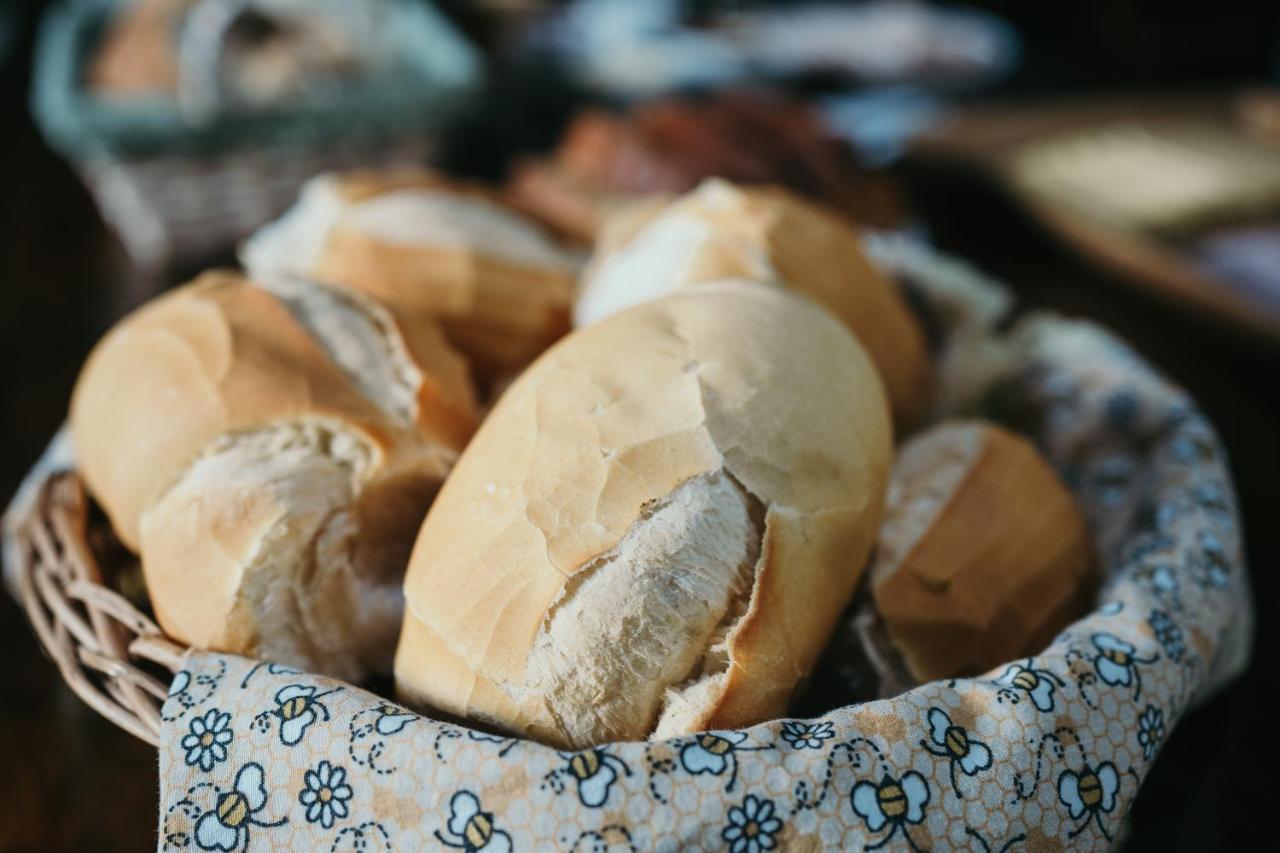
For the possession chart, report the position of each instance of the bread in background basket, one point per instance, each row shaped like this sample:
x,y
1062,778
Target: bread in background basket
x,y
184,170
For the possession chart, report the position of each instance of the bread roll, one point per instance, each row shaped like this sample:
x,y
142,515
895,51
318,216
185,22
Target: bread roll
x,y
768,235
656,527
419,243
983,555
226,435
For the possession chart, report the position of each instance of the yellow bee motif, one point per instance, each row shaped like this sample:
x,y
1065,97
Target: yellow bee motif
x,y
714,752
297,707
892,803
954,743
593,771
1090,794
471,829
227,826
1036,684
1116,662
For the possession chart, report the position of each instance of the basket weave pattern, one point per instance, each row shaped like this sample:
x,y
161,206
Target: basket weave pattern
x,y
109,653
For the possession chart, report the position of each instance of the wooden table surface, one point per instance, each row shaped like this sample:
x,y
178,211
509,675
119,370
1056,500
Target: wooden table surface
x,y
70,780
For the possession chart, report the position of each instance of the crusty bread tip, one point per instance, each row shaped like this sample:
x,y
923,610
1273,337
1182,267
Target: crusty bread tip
x,y
983,555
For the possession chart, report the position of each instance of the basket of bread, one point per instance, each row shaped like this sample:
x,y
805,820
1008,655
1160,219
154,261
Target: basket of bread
x,y
193,122
750,531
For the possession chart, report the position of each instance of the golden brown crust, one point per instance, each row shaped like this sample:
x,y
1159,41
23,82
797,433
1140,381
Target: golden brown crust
x,y
274,505
997,562
214,356
616,417
500,314
804,246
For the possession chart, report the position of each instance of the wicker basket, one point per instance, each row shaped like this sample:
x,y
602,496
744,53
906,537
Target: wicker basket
x,y
110,653
1153,482
178,184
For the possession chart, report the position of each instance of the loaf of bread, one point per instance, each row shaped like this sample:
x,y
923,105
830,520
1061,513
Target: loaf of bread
x,y
498,283
768,235
657,526
983,555
271,458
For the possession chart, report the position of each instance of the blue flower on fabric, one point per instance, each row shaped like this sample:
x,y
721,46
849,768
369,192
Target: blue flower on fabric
x,y
1168,635
227,826
1089,794
807,735
892,803
470,828
954,743
207,739
1150,731
326,794
1117,662
752,826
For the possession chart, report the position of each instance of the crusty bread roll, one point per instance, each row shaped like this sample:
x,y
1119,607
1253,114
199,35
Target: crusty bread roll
x,y
500,285
768,235
983,555
657,526
271,460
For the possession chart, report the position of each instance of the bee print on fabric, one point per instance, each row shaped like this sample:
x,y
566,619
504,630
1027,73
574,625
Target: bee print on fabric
x,y
470,828
368,732
1089,794
593,772
1117,662
227,827
187,690
892,803
298,706
952,742
716,752
1038,685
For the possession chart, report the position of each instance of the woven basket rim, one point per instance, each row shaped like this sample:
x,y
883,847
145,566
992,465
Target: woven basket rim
x,y
105,648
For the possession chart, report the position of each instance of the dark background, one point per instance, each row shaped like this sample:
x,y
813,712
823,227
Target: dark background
x,y
70,780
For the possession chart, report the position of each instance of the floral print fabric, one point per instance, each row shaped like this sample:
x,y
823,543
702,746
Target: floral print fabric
x,y
1043,753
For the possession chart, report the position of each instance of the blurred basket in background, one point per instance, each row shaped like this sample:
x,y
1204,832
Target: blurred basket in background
x,y
181,175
